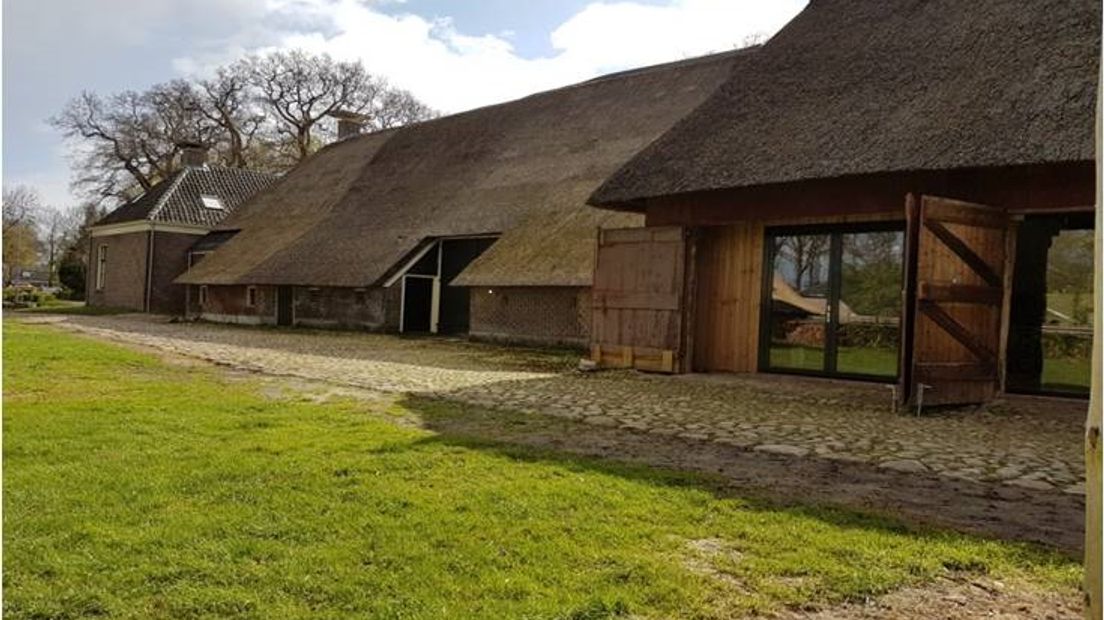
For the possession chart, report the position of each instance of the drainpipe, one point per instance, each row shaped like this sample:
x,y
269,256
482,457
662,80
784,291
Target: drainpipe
x,y
149,266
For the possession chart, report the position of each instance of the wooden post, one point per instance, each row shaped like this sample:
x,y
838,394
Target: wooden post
x,y
1093,603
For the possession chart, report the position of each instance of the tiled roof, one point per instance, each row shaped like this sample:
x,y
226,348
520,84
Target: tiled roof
x,y
178,199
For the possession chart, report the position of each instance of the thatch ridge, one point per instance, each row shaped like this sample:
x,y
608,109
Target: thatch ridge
x,y
505,169
852,87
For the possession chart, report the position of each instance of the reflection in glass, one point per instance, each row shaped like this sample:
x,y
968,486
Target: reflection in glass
x,y
1067,325
799,302
869,303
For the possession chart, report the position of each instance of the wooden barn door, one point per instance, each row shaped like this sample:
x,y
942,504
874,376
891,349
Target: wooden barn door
x,y
956,278
638,299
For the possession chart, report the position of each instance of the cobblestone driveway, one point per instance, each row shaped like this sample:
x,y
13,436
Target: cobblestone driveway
x,y
1030,443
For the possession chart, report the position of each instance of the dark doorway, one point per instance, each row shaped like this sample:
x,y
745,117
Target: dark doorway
x,y
832,301
1050,321
454,316
417,303
283,305
447,311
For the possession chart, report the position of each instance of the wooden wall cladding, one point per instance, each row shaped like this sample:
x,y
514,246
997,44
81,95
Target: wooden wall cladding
x,y
729,283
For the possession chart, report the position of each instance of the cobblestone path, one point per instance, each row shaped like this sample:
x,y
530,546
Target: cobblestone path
x,y
1030,443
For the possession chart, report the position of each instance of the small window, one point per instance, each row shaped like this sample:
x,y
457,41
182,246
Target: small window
x,y
203,295
250,296
314,293
211,202
101,267
361,296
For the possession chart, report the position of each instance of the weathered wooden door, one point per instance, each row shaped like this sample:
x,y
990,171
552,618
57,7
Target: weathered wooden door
x,y
638,296
956,279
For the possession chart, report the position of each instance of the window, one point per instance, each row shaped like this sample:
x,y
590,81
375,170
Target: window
x,y
361,296
203,295
250,296
101,266
211,202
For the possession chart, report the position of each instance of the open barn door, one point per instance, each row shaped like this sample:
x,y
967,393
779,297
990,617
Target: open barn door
x,y
640,277
956,263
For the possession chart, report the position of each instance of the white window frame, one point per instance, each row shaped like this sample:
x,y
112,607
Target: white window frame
x,y
202,294
101,266
250,297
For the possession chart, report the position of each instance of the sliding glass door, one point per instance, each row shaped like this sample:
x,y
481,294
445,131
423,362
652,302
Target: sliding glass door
x,y
832,301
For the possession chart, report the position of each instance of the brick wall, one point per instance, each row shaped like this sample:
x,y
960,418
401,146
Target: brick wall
x,y
125,272
375,309
170,259
227,304
557,316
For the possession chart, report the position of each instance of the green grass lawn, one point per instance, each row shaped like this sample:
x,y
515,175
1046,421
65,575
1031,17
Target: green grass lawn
x,y
138,488
1067,374
854,360
73,307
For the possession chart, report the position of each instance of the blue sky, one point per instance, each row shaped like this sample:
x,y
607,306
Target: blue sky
x,y
454,54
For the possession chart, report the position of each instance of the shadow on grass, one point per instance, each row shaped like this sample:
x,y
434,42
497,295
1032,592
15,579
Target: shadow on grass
x,y
839,493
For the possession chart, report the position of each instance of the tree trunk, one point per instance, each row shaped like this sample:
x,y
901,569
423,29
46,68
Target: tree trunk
x,y
1093,603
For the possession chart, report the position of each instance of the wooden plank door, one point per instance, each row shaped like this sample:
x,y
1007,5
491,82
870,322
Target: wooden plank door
x,y
639,296
957,293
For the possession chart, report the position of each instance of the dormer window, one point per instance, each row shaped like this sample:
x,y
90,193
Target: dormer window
x,y
211,202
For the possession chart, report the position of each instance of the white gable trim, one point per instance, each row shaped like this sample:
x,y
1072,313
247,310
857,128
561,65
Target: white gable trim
x,y
124,228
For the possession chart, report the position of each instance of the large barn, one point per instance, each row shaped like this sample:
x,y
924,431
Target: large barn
x,y
898,190
472,223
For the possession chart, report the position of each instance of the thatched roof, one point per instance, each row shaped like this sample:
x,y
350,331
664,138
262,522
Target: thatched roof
x,y
854,87
178,198
522,169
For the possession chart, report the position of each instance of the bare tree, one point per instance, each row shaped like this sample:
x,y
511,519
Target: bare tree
x,y
396,107
56,229
262,112
226,101
299,90
21,205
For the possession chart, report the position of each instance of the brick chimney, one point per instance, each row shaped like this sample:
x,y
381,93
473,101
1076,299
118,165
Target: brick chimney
x,y
349,124
192,154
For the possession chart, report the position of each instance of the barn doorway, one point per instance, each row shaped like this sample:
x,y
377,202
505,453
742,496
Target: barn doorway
x,y
283,306
429,303
1050,321
832,301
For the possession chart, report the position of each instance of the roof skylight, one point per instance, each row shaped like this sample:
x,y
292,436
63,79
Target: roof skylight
x,y
211,202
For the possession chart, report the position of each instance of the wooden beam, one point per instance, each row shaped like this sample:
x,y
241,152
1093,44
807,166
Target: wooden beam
x,y
953,212
965,252
954,371
965,337
961,293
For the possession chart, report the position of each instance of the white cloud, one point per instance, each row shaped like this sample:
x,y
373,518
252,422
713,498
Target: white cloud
x,y
454,71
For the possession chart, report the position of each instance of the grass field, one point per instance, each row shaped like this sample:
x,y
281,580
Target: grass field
x,y
138,488
855,360
74,307
1067,374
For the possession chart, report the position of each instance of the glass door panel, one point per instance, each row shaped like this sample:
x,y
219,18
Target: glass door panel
x,y
869,303
1067,329
798,309
835,301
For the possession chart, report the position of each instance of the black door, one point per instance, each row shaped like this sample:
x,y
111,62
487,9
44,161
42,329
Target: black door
x,y
417,304
283,305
